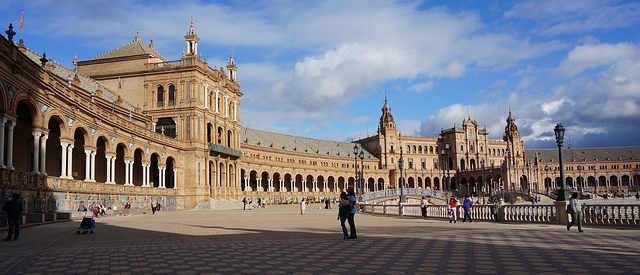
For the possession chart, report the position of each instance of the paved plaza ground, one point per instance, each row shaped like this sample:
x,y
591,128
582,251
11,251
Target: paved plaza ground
x,y
278,240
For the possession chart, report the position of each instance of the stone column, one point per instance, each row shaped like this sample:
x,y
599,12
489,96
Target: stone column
x,y
126,173
87,166
113,169
161,177
108,158
70,161
43,154
93,166
175,178
36,151
63,172
145,174
3,120
304,186
269,183
10,147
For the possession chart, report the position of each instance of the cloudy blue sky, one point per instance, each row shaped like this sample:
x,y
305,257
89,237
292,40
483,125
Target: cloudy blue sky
x,y
321,68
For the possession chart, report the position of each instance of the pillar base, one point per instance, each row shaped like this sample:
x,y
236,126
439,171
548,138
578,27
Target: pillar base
x,y
561,211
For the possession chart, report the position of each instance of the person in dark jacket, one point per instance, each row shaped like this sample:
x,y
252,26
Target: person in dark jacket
x,y
13,208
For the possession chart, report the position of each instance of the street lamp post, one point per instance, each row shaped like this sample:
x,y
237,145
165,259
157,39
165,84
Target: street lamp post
x,y
559,131
401,183
445,154
361,156
355,165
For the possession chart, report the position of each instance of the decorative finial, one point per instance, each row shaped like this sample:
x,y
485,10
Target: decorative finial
x,y
231,60
10,33
151,44
44,59
137,39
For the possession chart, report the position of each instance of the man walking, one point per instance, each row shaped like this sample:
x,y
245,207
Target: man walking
x,y
423,206
352,203
467,204
576,212
13,208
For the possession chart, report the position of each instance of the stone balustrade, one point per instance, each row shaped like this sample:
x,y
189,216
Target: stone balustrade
x,y
605,214
529,213
621,214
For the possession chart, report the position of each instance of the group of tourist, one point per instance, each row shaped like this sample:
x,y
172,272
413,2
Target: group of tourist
x,y
346,212
245,202
467,206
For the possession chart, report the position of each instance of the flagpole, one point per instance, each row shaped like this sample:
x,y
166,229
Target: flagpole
x,y
21,24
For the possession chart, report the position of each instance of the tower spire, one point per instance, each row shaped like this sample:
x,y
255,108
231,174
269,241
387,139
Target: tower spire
x,y
192,40
232,67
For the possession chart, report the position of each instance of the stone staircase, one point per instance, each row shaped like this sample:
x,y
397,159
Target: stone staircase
x,y
219,204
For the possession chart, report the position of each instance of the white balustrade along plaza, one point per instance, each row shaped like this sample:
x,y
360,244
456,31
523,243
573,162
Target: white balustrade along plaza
x,y
594,213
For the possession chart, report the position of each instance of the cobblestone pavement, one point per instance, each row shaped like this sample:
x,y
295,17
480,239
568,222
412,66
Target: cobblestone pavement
x,y
278,240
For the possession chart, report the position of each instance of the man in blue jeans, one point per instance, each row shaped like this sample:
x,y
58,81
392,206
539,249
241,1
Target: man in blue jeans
x,y
467,204
352,203
13,208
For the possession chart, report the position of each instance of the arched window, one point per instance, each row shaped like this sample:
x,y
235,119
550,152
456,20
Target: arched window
x,y
160,96
172,95
229,138
220,135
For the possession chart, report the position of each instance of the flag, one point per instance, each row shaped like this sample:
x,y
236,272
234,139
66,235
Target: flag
x,y
21,21
75,59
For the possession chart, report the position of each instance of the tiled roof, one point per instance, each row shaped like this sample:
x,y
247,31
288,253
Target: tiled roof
x,y
132,49
86,83
298,144
588,154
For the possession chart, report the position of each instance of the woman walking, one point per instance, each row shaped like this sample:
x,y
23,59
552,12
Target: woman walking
x,y
343,213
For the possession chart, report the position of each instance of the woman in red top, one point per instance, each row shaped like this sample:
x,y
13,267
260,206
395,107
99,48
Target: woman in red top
x,y
453,210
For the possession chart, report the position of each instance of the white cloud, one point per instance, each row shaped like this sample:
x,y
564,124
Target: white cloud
x,y
421,87
586,57
560,17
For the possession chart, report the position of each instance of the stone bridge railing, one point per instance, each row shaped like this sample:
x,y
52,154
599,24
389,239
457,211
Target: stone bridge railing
x,y
418,192
594,214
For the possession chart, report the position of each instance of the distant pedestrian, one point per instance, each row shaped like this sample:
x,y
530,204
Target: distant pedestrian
x,y
343,213
13,208
494,210
575,211
423,206
453,210
153,209
244,203
638,196
467,204
303,206
327,204
259,202
351,218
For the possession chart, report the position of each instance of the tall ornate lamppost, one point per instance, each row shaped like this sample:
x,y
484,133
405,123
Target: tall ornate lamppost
x,y
559,131
355,165
445,154
361,156
401,166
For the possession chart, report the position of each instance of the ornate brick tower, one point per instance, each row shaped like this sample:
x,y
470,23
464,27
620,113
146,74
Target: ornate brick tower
x,y
515,145
389,139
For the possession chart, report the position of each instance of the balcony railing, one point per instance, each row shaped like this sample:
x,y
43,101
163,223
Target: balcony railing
x,y
219,149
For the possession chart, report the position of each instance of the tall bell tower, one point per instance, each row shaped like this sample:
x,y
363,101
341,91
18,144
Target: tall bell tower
x,y
514,144
191,39
389,139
